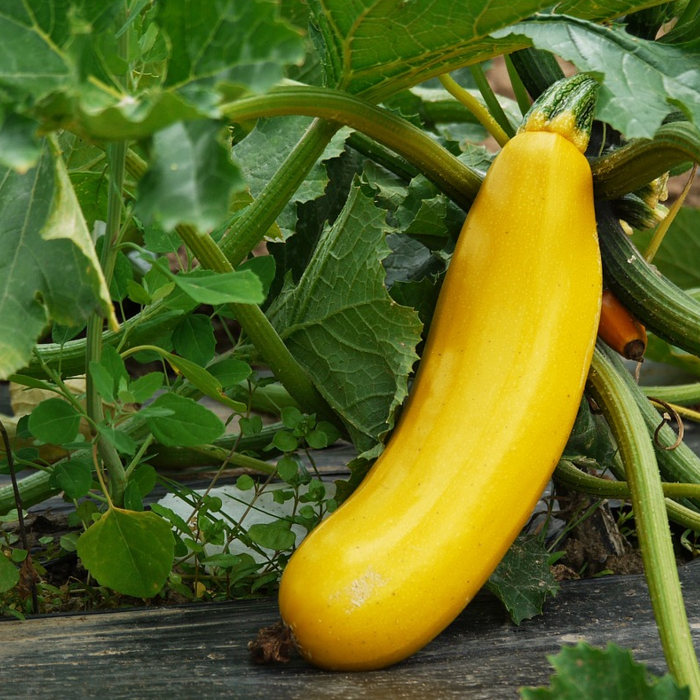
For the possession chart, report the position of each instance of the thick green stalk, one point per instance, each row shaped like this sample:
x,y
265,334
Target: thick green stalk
x,y
251,226
620,409
642,160
459,182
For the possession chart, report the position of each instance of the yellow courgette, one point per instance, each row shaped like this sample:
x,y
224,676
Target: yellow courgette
x,y
486,421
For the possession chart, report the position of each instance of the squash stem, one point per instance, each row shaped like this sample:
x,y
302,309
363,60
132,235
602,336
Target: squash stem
x,y
475,107
248,229
491,100
637,452
459,182
679,394
518,86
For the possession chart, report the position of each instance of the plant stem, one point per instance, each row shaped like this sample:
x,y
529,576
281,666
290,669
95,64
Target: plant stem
x,y
491,100
261,332
680,394
637,452
662,228
475,107
459,182
519,89
20,509
642,160
691,9
93,350
580,481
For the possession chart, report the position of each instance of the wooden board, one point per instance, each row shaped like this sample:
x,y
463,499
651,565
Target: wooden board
x,y
200,651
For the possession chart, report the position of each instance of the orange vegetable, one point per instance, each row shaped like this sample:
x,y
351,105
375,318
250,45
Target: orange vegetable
x,y
620,330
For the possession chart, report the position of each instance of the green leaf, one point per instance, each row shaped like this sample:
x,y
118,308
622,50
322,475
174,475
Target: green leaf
x,y
276,535
207,287
73,477
189,425
54,421
144,387
427,38
190,179
586,673
9,574
230,372
31,66
103,381
657,77
194,339
131,553
342,326
523,579
145,477
243,43
122,441
20,146
202,379
48,268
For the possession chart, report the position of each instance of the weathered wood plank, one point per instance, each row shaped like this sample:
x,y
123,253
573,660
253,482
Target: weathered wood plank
x,y
200,651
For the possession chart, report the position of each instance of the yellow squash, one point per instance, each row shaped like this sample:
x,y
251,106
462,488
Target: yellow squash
x,y
486,421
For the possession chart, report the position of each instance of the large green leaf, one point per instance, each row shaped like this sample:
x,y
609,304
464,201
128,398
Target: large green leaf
x,y
48,268
586,673
31,66
380,46
342,326
242,42
643,80
129,552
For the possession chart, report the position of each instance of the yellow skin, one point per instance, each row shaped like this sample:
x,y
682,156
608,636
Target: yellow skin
x,y
487,419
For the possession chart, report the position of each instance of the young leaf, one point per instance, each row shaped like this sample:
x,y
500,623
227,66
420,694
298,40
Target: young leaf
x,y
188,425
122,441
207,287
144,387
73,477
194,339
523,579
586,673
230,372
9,574
54,421
345,330
131,553
275,535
